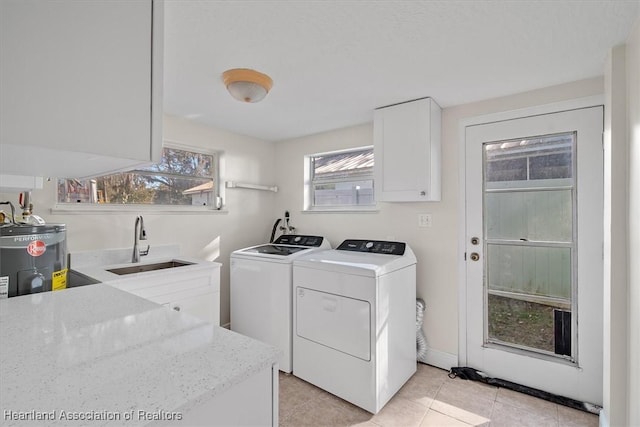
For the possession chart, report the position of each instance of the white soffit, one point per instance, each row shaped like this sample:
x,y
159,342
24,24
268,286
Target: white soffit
x,y
333,62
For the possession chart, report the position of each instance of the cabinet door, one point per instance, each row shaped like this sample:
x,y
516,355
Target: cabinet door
x,y
229,408
205,306
76,77
407,152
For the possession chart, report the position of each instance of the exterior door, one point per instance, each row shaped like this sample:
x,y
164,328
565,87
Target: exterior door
x,y
534,236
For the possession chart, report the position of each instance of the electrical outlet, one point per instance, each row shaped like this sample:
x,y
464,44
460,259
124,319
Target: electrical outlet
x,y
424,220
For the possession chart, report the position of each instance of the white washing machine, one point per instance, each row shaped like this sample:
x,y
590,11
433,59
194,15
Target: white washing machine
x,y
355,320
261,290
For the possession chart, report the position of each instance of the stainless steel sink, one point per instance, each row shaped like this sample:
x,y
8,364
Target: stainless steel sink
x,y
141,268
75,279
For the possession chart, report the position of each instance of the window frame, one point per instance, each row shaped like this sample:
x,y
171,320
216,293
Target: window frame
x,y
309,183
214,200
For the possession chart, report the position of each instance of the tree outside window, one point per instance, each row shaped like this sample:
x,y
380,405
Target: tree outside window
x,y
181,177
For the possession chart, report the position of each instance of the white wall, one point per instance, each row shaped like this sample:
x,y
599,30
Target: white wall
x,y
211,236
436,248
633,86
621,389
615,292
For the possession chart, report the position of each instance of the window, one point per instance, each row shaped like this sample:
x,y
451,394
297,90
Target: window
x,y
183,177
340,179
547,157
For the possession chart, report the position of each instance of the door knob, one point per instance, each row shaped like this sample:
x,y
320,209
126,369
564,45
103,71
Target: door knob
x,y
475,256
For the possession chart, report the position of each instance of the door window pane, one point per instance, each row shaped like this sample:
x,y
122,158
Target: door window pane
x,y
530,215
530,270
551,166
507,170
523,323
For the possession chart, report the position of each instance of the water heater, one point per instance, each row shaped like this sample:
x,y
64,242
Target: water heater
x,y
33,258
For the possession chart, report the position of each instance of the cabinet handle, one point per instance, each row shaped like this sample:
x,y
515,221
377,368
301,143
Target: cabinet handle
x,y
423,193
176,308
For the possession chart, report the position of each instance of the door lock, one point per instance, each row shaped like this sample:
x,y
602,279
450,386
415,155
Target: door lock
x,y
475,240
475,256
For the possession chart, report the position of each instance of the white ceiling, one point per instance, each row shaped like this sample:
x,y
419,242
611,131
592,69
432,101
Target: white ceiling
x,y
334,61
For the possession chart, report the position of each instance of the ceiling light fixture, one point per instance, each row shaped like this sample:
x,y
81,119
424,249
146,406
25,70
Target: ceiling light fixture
x,y
247,85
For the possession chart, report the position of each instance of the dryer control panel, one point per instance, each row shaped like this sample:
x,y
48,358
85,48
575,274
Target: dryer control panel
x,y
299,240
373,246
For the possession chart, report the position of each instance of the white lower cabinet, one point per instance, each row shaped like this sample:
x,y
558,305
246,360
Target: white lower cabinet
x,y
200,306
192,291
259,392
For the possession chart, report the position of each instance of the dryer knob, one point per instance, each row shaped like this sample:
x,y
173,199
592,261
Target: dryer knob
x,y
369,245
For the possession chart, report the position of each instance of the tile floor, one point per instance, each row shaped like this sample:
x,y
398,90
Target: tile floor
x,y
429,398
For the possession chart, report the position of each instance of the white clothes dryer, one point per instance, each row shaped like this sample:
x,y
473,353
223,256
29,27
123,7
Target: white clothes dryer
x,y
261,303
354,320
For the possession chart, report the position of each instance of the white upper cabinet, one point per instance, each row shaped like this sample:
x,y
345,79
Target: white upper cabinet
x,y
81,86
407,152
19,183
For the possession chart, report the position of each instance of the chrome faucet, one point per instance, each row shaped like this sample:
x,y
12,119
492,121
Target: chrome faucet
x,y
139,234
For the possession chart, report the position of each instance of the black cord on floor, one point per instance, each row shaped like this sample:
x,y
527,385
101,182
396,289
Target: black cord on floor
x,y
467,373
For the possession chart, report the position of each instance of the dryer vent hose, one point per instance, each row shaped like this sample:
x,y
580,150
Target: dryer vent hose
x,y
421,340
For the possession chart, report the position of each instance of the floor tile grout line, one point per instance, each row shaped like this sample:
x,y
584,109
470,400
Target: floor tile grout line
x,y
425,414
532,412
449,415
436,394
452,416
491,401
493,405
556,406
426,409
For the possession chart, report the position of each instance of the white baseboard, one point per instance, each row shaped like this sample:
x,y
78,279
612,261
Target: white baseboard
x,y
441,359
604,420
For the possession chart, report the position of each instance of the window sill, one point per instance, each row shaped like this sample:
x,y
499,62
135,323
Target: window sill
x,y
342,210
89,209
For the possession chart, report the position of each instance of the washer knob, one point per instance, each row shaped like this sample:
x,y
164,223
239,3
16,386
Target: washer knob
x,y
369,245
297,239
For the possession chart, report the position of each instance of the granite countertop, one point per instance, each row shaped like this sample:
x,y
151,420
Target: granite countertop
x,y
101,352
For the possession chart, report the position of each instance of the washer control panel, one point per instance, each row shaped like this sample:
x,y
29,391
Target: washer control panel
x,y
299,240
373,246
